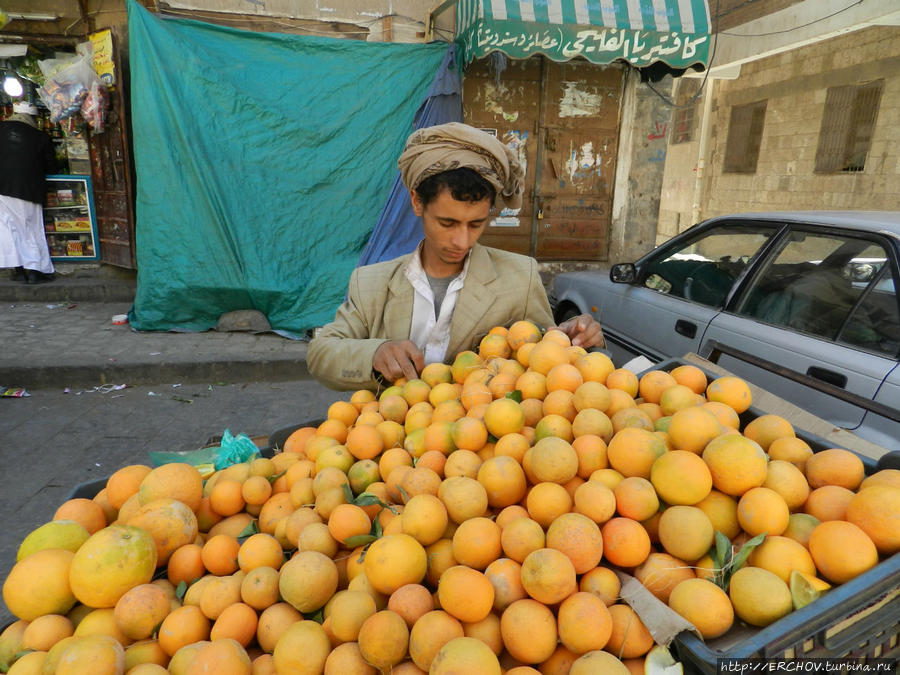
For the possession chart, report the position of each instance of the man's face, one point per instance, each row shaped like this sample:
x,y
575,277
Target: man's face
x,y
451,230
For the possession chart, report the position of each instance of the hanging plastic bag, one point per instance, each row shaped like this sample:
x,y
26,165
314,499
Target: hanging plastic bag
x,y
68,83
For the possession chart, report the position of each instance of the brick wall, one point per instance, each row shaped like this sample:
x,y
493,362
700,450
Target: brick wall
x,y
794,84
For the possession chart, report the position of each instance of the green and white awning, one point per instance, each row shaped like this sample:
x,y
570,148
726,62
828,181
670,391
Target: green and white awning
x,y
641,32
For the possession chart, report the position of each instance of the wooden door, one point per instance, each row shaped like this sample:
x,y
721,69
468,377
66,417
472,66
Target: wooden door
x,y
112,174
564,118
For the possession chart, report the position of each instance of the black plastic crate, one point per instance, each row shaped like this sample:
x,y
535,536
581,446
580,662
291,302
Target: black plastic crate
x,y
858,619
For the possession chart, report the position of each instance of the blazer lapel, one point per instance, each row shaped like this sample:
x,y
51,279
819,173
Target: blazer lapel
x,y
398,308
474,301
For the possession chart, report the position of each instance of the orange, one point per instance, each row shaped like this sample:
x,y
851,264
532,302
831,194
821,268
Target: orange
x,y
218,593
383,639
430,632
505,576
835,467
625,542
344,411
560,402
546,354
759,596
632,452
308,580
726,415
347,611
494,345
125,482
675,398
260,550
411,601
594,500
392,407
182,627
661,573
504,416
721,509
602,582
763,511
302,648
256,490
876,511
45,631
111,562
889,477
178,481
788,481
394,561
690,376
547,501
828,502
464,363
529,631
346,521
521,537
273,622
782,555
169,522
841,550
226,497
220,554
553,460
435,373
594,366
631,416
629,637
591,451
681,477
469,434
364,442
800,526
623,380
591,422
579,538
548,575
476,542
296,441
692,428
736,464
140,610
522,332
732,391
599,661
237,622
259,588
768,428
653,383
503,479
555,426
86,512
636,498
465,655
563,376
465,594
584,623
463,498
685,532
704,605
425,518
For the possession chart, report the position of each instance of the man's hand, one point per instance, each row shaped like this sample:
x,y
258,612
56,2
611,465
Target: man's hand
x,y
583,330
398,358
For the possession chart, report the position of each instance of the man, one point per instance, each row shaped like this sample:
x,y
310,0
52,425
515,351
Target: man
x,y
441,299
26,157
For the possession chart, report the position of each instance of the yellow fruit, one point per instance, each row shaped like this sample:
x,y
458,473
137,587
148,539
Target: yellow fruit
x,y
841,550
465,655
39,584
736,464
703,604
308,580
302,649
759,596
64,534
113,561
805,588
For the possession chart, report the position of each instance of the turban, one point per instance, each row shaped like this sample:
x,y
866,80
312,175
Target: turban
x,y
433,150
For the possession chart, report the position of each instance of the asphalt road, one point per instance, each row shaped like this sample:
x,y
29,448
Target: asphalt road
x,y
54,441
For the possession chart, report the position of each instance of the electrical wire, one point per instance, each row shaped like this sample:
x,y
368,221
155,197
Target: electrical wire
x,y
788,30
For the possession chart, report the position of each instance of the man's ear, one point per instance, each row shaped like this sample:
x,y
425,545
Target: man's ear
x,y
417,206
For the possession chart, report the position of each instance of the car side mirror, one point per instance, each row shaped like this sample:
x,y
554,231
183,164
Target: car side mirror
x,y
623,273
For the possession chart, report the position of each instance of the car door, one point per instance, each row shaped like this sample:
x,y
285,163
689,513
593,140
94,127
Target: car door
x,y
823,304
680,288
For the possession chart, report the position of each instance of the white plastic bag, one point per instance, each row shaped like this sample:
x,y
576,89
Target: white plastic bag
x,y
68,84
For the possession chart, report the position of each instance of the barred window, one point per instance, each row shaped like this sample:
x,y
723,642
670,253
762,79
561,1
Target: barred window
x,y
683,125
744,137
847,125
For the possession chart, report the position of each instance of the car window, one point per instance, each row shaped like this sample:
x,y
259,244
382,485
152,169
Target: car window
x,y
704,269
874,324
814,283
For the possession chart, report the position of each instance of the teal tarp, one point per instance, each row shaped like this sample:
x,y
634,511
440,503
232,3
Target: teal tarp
x,y
262,162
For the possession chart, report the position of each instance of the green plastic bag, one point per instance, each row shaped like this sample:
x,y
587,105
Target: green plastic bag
x,y
232,450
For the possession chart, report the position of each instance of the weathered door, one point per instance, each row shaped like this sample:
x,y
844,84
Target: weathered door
x,y
564,119
111,165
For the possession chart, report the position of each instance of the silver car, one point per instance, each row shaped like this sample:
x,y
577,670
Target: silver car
x,y
803,304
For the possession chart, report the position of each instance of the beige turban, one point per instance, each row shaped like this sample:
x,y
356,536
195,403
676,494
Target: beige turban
x,y
445,147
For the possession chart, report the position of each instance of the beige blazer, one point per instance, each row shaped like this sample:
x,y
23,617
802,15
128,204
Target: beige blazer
x,y
500,288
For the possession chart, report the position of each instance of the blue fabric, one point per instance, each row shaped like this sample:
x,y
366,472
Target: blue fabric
x,y
398,230
262,161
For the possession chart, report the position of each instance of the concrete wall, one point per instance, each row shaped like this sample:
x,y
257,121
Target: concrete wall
x,y
795,84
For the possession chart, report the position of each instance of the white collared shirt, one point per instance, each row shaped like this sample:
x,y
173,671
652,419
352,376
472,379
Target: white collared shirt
x,y
431,335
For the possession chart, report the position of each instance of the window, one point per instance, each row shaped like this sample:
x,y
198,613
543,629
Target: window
x,y
683,125
744,137
829,286
705,269
847,126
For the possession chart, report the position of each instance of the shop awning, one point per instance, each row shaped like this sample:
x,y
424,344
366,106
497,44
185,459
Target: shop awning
x,y
642,32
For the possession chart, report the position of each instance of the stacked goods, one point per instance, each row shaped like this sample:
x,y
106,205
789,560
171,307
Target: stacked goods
x,y
469,521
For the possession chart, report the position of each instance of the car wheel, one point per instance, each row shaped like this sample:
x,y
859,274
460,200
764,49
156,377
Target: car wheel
x,y
568,312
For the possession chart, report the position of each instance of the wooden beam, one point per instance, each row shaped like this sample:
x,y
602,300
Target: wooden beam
x,y
429,21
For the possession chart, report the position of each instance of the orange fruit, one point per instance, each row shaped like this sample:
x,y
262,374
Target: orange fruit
x,y
782,555
182,627
578,537
220,554
504,480
736,464
546,354
788,481
346,521
692,428
547,501
599,661
504,416
296,441
726,415
112,561
411,601
625,542
83,511
685,532
260,550
623,380
465,594
435,373
383,639
425,518
463,364
889,477
125,482
661,572
876,511
629,637
171,524
595,500
529,631
273,622
344,411
703,604
476,542
763,511
548,575
835,467
394,561
236,622
632,452
302,648
430,632
308,580
602,582
675,398
768,428
800,526
690,376
177,481
140,610
653,383
721,509
841,550
259,588
828,502
465,655
759,596
636,498
521,537
584,623
790,449
732,391
681,477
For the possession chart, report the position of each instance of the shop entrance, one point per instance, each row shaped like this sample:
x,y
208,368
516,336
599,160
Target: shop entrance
x,y
563,119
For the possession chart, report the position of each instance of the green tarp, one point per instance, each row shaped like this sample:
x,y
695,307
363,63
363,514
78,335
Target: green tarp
x,y
262,162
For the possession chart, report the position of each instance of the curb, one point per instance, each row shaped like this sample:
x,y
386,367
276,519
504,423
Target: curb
x,y
66,291
157,373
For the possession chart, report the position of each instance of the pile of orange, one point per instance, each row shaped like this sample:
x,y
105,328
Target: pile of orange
x,y
470,521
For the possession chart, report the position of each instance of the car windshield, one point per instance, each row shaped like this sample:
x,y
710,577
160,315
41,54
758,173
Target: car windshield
x,y
704,268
